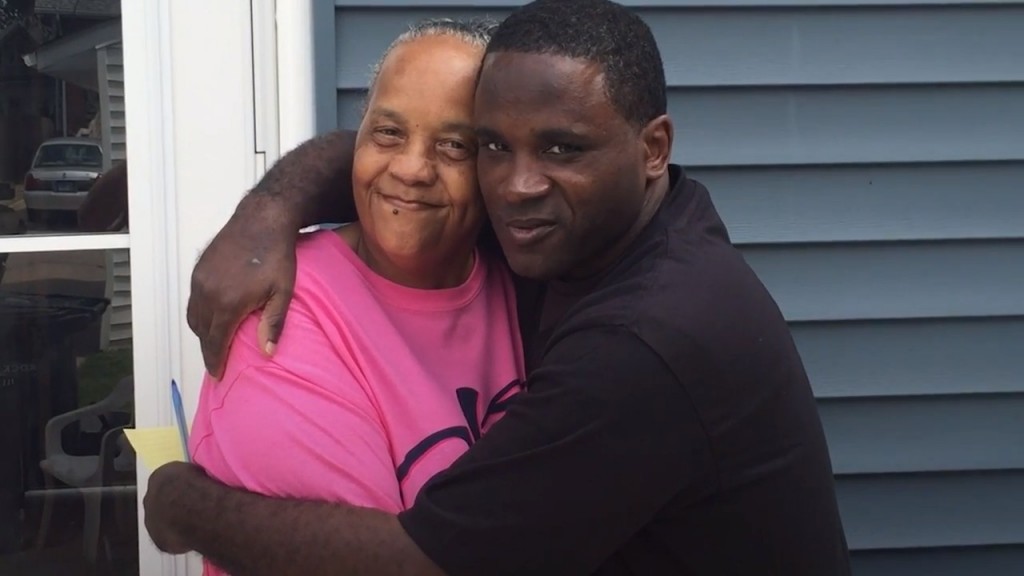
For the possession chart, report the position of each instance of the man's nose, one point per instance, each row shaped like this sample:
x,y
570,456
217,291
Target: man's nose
x,y
527,182
413,168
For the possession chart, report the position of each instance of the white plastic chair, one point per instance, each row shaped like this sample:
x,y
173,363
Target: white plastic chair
x,y
90,472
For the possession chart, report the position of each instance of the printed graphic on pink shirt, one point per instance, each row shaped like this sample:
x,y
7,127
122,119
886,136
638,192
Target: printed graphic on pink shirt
x,y
432,454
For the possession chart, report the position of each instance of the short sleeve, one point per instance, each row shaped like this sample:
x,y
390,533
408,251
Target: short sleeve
x,y
298,425
604,437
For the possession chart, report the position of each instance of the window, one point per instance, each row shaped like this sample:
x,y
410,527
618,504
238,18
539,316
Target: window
x,y
67,475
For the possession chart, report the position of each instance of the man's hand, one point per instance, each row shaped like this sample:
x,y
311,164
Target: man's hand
x,y
249,265
163,501
251,262
246,533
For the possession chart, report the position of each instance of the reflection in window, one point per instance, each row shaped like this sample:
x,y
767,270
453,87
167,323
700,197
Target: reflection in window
x,y
67,474
62,122
69,154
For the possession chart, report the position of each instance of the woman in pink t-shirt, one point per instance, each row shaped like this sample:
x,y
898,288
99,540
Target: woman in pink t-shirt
x,y
401,344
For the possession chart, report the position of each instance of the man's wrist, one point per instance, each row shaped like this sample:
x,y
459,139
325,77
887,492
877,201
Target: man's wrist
x,y
201,499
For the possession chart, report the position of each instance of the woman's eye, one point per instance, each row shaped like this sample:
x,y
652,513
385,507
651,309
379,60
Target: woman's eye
x,y
455,149
387,133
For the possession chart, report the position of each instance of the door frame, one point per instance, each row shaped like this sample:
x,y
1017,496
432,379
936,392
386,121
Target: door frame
x,y
202,94
203,122
149,123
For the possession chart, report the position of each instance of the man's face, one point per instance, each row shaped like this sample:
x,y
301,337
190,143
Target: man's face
x,y
562,173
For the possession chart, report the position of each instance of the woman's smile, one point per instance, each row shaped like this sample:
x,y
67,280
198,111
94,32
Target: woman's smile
x,y
408,202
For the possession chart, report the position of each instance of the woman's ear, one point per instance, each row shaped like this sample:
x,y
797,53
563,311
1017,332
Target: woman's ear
x,y
657,138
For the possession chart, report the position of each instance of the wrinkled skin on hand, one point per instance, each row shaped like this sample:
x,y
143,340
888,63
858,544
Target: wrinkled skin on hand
x,y
249,265
167,485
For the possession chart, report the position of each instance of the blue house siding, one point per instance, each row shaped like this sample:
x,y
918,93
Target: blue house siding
x,y
868,157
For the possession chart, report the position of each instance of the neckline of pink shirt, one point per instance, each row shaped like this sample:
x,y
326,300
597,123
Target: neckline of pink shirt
x,y
412,298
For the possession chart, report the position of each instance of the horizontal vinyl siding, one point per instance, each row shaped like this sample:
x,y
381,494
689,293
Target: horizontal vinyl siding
x,y
893,279
868,158
925,433
942,201
934,561
916,357
933,510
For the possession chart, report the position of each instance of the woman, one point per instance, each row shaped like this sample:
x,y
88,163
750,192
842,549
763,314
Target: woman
x,y
401,344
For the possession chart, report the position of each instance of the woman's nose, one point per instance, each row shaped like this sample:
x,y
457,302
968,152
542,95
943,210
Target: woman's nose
x,y
413,170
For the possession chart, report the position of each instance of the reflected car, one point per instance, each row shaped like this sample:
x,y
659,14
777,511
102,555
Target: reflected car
x,y
62,172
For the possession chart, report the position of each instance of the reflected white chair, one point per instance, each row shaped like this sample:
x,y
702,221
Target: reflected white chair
x,y
88,473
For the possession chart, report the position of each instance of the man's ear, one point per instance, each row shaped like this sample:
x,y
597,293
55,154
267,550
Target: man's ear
x,y
657,138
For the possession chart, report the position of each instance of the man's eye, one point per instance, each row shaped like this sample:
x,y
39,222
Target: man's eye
x,y
495,147
558,149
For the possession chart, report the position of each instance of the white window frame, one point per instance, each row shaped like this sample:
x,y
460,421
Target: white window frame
x,y
148,127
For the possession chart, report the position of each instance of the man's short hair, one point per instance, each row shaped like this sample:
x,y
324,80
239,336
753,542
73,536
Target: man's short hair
x,y
599,31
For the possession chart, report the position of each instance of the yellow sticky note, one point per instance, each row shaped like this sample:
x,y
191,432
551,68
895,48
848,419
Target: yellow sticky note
x,y
156,446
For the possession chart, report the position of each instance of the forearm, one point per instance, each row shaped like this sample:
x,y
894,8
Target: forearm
x,y
314,181
252,535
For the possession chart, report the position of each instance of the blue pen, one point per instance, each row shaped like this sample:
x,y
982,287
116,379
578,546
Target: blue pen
x,y
179,415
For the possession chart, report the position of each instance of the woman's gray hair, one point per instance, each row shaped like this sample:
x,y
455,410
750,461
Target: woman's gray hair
x,y
475,32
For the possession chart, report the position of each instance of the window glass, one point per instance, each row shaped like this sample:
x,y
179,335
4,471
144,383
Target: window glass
x,y
67,474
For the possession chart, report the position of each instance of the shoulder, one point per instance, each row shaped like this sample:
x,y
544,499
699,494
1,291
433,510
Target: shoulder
x,y
326,294
321,252
600,359
327,277
684,290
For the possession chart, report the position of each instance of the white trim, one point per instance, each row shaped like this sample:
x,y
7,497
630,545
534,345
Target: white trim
x,y
296,72
214,162
62,242
103,85
149,128
265,84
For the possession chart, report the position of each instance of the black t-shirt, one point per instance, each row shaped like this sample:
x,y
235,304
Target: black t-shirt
x,y
667,428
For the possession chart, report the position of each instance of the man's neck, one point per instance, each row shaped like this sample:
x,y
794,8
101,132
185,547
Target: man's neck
x,y
657,190
561,294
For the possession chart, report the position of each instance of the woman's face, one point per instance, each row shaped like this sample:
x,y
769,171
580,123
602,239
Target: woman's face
x,y
414,172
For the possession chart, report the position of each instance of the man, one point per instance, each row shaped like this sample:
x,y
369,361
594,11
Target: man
x,y
105,208
668,426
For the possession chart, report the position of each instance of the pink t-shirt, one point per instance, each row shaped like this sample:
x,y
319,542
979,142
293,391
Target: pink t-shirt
x,y
374,387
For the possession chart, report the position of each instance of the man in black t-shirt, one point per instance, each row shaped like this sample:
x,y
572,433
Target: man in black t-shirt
x,y
668,426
